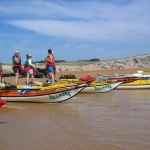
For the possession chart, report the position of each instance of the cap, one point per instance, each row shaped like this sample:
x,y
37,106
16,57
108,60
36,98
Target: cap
x,y
49,51
17,51
29,55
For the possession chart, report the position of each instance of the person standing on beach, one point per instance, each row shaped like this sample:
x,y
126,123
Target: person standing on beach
x,y
81,68
16,59
29,67
1,75
50,65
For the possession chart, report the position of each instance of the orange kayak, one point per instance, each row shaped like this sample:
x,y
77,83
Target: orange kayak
x,y
43,96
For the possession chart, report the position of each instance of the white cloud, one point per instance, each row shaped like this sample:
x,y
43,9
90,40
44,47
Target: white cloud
x,y
85,30
84,20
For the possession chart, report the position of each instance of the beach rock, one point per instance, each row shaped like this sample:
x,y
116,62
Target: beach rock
x,y
136,61
68,76
39,75
8,74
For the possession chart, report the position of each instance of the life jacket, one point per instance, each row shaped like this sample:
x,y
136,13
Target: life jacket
x,y
27,65
47,61
30,67
27,62
21,71
54,61
1,74
14,63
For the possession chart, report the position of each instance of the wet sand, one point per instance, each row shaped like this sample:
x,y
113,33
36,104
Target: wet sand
x,y
116,120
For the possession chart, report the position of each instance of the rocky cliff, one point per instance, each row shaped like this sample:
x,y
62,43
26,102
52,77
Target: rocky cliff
x,y
129,62
136,61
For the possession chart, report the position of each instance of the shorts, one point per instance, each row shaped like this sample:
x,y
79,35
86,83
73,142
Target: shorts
x,y
50,69
30,71
16,70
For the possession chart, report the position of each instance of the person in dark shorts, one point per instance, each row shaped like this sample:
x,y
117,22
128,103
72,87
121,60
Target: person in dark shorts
x,y
16,59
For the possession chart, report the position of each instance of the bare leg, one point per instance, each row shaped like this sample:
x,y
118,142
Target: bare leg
x,y
16,78
32,77
54,73
27,78
55,76
52,77
49,77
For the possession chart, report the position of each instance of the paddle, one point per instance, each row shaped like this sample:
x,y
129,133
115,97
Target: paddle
x,y
7,83
9,86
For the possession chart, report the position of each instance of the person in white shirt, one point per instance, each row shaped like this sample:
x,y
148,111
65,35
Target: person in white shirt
x,y
29,67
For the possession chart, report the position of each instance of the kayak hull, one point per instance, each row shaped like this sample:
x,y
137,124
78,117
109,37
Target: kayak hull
x,y
42,96
127,87
101,88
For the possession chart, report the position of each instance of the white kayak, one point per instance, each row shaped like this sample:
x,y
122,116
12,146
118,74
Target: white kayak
x,y
101,88
42,96
139,74
131,87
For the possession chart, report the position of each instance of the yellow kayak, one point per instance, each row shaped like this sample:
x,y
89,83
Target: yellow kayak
x,y
144,72
47,87
138,82
69,80
93,83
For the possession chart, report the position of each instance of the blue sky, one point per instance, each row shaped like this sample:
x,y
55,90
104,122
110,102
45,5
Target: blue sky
x,y
74,29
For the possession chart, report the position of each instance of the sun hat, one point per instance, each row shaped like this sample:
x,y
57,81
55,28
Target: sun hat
x,y
29,55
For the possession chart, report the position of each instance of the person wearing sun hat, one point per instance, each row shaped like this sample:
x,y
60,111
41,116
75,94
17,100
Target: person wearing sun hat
x,y
29,67
16,59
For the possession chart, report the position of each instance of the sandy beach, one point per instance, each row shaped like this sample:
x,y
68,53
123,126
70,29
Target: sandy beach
x,y
116,120
93,72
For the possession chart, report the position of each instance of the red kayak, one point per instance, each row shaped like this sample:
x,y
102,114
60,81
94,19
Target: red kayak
x,y
2,102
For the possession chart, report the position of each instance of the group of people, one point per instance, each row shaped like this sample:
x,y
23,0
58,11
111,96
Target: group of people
x,y
29,67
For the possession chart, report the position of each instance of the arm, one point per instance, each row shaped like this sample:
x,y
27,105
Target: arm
x,y
24,62
51,59
30,63
16,60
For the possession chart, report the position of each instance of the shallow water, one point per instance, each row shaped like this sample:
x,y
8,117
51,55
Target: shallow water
x,y
116,120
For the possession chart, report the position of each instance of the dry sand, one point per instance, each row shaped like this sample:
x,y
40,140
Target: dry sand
x,y
79,74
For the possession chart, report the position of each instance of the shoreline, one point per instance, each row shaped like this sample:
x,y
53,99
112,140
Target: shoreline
x,y
79,74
